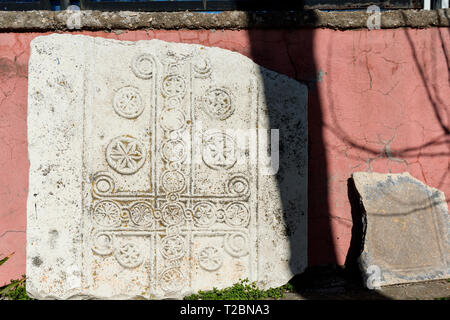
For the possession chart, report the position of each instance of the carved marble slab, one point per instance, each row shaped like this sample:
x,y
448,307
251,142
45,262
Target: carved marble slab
x,y
407,229
154,172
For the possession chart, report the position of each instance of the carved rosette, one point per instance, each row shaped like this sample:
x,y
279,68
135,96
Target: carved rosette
x,y
173,86
237,215
210,258
171,216
106,213
141,213
217,103
173,247
172,280
219,151
125,154
204,214
128,255
128,102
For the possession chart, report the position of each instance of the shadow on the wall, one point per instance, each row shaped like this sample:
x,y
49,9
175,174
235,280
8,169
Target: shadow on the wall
x,y
358,231
335,282
291,52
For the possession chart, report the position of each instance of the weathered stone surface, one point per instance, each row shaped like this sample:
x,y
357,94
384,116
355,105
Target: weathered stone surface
x,y
406,229
150,173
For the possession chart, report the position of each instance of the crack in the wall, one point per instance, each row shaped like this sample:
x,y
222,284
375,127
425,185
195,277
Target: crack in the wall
x,y
11,231
368,72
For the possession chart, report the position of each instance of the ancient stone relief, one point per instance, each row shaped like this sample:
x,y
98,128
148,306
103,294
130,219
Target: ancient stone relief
x,y
173,216
170,184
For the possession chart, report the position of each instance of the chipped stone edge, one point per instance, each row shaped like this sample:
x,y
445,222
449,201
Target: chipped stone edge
x,y
364,260
38,21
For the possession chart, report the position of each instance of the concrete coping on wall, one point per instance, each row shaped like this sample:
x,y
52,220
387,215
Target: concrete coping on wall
x,y
15,21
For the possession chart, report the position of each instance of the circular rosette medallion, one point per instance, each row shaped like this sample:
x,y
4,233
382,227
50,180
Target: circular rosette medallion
x,y
236,244
237,215
173,181
128,255
128,102
172,280
172,214
173,247
173,150
106,213
210,258
142,66
173,85
125,154
217,103
141,214
219,151
204,214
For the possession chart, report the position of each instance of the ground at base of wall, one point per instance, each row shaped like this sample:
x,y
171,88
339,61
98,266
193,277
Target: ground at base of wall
x,y
337,283
335,286
429,290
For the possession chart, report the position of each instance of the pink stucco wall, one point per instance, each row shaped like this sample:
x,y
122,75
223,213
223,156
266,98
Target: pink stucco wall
x,y
378,100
